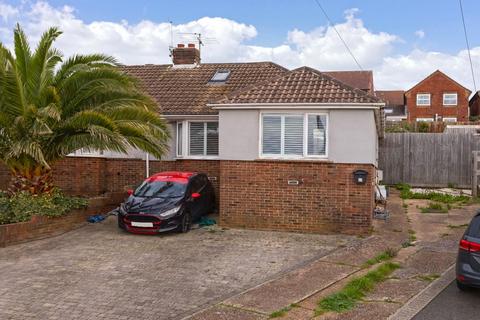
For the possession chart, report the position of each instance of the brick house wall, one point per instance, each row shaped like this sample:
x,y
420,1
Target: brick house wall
x,y
91,176
437,84
256,195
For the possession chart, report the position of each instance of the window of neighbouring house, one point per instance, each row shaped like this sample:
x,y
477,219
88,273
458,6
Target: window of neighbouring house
x,y
449,119
203,139
179,139
423,99
450,99
293,135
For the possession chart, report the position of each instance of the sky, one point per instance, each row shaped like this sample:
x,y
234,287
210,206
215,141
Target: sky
x,y
401,41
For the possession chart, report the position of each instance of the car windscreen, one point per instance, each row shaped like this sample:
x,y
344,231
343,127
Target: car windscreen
x,y
160,189
474,228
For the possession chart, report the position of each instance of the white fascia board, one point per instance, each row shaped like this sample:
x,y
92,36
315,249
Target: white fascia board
x,y
368,106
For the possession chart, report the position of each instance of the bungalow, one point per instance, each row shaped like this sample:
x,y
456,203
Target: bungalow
x,y
287,150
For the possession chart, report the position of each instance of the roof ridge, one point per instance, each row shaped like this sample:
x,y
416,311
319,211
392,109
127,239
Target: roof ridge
x,y
289,73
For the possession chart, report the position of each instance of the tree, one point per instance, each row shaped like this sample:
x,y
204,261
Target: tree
x,y
51,107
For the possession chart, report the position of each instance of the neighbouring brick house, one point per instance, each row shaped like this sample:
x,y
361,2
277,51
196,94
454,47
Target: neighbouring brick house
x,y
281,147
395,109
437,98
474,104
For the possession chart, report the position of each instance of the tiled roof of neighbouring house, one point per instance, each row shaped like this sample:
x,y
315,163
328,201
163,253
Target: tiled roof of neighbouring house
x,y
358,79
392,97
182,91
302,85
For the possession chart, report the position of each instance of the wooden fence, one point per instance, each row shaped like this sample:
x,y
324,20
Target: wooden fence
x,y
428,159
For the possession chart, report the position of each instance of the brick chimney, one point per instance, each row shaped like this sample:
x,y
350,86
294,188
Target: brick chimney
x,y
182,55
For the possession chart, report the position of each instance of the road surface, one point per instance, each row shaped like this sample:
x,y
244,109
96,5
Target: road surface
x,y
452,304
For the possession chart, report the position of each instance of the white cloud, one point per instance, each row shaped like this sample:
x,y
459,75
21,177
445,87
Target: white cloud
x,y
148,42
7,11
420,34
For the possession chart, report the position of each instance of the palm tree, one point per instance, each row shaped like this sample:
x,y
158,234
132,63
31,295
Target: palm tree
x,y
51,107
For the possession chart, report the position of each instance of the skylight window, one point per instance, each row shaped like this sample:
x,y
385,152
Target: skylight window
x,y
220,76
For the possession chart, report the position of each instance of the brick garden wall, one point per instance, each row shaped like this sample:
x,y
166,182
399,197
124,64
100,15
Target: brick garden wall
x,y
90,176
255,194
40,227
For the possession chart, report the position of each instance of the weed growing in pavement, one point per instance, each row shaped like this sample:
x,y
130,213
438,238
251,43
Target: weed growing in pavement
x,y
283,311
406,193
356,289
411,239
457,226
428,277
384,256
435,207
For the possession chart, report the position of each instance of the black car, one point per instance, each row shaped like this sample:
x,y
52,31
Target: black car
x,y
167,201
468,260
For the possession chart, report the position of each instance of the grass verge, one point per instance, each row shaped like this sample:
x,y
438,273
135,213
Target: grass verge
x,y
347,298
457,226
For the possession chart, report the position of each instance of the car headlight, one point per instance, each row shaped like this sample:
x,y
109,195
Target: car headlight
x,y
170,213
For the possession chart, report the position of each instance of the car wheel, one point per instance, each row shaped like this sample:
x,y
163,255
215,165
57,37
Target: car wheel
x,y
462,286
186,223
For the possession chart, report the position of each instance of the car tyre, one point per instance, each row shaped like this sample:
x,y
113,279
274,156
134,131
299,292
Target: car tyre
x,y
186,223
461,286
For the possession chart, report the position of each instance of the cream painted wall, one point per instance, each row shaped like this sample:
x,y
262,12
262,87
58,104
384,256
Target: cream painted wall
x,y
352,135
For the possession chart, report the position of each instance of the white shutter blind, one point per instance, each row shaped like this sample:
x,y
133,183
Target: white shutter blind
x,y
317,138
293,135
272,134
197,138
212,138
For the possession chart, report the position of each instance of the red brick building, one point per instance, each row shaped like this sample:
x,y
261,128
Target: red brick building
x,y
437,98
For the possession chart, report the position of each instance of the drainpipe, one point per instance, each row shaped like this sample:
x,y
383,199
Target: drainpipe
x,y
147,164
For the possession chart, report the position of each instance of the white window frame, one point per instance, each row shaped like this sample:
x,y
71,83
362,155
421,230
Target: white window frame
x,y
180,151
424,104
185,153
305,155
424,120
449,119
450,104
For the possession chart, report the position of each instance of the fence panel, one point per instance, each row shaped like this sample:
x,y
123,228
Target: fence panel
x,y
428,159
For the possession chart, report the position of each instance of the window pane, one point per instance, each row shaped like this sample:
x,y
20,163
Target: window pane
x,y
293,135
197,138
450,99
423,99
317,135
179,138
271,140
212,138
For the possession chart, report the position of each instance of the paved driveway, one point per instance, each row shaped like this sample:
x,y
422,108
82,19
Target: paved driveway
x,y
100,272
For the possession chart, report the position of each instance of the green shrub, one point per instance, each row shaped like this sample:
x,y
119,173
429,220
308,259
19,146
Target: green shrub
x,y
22,206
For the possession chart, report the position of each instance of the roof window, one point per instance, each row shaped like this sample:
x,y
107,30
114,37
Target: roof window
x,y
220,76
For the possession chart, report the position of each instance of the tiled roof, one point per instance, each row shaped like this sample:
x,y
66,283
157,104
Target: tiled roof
x,y
358,79
302,85
392,97
182,91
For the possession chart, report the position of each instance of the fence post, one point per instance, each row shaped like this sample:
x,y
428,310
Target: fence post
x,y
475,173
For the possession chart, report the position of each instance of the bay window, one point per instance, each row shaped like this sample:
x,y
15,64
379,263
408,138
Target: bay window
x,y
294,135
